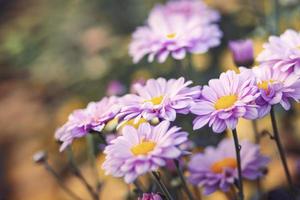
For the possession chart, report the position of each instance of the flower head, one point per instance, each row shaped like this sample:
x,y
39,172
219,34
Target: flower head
x,y
242,52
282,52
150,196
176,28
275,87
159,98
216,168
138,151
225,100
82,121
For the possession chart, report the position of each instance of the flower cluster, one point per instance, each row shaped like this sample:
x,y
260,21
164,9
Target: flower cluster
x,y
142,146
175,29
216,168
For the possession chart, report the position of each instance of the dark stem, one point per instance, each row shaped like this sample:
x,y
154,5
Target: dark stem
x,y
280,149
138,186
238,158
60,181
185,187
75,170
162,186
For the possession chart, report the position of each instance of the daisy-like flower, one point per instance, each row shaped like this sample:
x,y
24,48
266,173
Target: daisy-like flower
x,y
242,52
225,100
282,52
216,168
82,121
275,87
150,196
138,151
159,98
175,29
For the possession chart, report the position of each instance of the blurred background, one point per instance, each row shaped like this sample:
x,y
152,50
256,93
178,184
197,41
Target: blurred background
x,y
56,56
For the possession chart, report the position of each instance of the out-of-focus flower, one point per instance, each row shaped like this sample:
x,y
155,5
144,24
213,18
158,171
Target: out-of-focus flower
x,y
275,87
82,121
216,168
159,98
138,151
108,138
225,100
282,52
150,196
242,52
115,88
176,28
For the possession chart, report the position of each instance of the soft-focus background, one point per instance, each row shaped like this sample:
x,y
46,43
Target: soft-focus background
x,y
55,56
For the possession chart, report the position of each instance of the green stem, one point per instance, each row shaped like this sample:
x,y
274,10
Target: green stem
x,y
238,158
184,184
276,137
92,156
162,186
75,170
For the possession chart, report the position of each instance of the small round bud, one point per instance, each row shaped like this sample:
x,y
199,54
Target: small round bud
x,y
40,157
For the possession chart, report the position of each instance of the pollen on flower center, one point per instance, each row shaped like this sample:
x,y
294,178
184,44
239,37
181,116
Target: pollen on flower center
x,y
265,85
225,102
171,35
219,166
143,148
155,100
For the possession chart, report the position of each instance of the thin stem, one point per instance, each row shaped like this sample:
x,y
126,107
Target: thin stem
x,y
238,158
138,186
92,153
60,181
197,192
162,186
75,170
184,184
280,149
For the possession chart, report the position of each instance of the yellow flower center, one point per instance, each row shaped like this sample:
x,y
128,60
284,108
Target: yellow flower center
x,y
135,125
219,166
225,102
171,35
143,148
265,85
155,100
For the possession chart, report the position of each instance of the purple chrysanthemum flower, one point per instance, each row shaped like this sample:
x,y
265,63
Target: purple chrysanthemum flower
x,y
115,88
242,52
275,87
138,151
176,28
282,52
82,121
225,100
150,196
159,98
216,168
